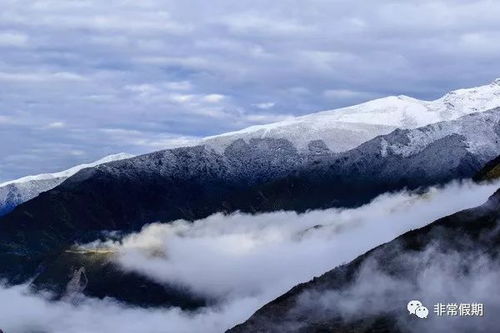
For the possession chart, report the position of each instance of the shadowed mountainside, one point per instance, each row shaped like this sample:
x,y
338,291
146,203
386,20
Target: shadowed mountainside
x,y
370,293
255,176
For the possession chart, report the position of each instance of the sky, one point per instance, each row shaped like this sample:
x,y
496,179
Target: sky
x,y
81,79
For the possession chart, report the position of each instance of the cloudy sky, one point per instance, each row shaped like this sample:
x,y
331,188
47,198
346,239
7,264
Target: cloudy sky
x,y
80,79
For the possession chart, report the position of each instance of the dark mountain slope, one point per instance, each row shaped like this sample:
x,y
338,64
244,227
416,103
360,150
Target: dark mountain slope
x,y
356,178
104,278
490,171
15,192
261,175
370,293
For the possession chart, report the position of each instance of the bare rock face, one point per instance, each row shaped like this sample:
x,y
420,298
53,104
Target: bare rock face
x,y
76,285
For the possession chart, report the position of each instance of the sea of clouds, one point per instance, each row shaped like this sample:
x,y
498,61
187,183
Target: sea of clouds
x,y
241,261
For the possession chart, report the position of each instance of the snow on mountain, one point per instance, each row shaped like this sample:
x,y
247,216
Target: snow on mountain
x,y
15,192
479,131
262,175
345,128
340,130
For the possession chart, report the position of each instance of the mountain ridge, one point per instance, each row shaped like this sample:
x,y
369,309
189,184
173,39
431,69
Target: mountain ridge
x,y
345,128
339,130
262,175
68,172
15,192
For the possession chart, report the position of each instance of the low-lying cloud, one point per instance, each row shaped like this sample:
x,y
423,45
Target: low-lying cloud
x,y
241,261
442,278
243,255
23,312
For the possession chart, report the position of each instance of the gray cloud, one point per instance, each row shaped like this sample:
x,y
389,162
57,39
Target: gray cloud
x,y
160,68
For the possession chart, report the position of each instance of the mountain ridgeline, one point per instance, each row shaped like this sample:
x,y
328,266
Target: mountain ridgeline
x,y
346,128
12,195
15,192
340,130
256,176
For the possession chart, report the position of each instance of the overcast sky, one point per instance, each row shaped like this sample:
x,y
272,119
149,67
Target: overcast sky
x,y
80,79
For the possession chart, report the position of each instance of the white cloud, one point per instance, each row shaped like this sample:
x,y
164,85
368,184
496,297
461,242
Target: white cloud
x,y
142,89
265,118
13,39
27,312
279,250
181,98
254,23
265,106
242,260
41,77
77,152
188,61
346,94
181,85
158,142
440,278
56,124
213,98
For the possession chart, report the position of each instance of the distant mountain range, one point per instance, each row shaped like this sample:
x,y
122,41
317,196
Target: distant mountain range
x,y
261,175
339,130
15,192
296,165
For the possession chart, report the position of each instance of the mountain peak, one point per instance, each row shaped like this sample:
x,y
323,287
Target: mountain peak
x,y
345,128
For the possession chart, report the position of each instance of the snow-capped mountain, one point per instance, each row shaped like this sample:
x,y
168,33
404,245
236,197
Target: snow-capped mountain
x,y
340,130
256,176
345,128
15,192
251,174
